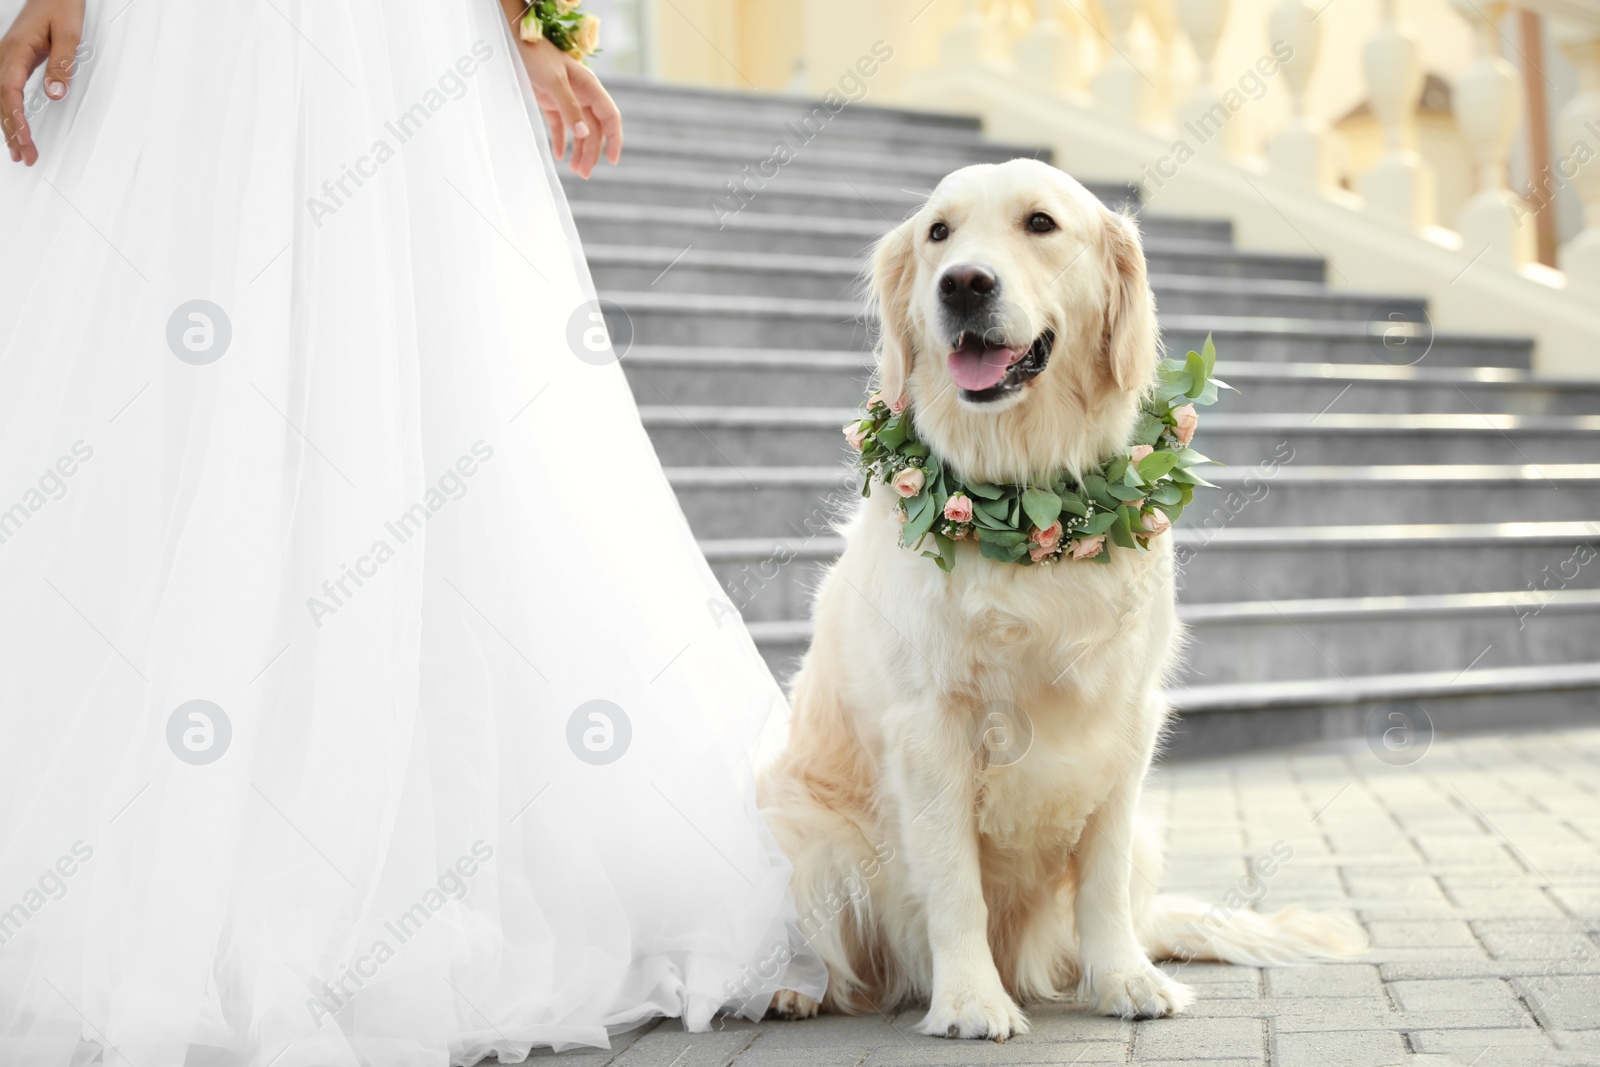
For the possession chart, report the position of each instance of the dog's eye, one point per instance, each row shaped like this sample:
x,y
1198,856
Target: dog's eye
x,y
938,231
1039,222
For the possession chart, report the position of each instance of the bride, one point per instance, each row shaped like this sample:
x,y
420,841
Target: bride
x,y
365,698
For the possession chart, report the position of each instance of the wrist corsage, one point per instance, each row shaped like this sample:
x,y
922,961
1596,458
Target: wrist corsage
x,y
575,32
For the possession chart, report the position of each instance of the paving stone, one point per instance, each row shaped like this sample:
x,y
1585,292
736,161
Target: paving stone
x,y
1325,980
1537,940
1338,1050
669,1046
1199,1039
1569,1002
761,1055
1453,994
1428,934
939,1052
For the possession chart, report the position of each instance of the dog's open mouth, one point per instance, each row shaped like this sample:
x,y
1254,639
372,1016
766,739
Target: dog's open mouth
x,y
985,371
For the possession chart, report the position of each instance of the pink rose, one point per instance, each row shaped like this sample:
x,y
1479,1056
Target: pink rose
x,y
908,482
1039,552
1155,522
1139,452
958,508
874,399
1088,547
1046,539
1187,419
898,405
854,435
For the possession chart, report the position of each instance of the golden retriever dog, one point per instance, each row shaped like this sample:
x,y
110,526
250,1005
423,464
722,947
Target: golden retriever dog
x,y
959,791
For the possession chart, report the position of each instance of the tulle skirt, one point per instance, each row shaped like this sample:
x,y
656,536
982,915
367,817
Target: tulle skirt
x,y
364,696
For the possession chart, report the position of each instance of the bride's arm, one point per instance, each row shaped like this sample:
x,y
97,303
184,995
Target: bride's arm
x,y
571,97
43,29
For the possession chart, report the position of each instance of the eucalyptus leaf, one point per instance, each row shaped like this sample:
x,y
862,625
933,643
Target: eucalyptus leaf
x,y
1073,504
1099,523
985,490
1126,493
1043,507
920,522
1149,430
1166,493
1197,375
1122,528
894,433
1208,352
1156,464
1116,469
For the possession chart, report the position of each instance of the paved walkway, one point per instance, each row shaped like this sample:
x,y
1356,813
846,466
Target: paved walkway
x,y
1476,869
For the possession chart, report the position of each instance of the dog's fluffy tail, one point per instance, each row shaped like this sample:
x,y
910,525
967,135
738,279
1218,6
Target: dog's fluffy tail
x,y
1184,929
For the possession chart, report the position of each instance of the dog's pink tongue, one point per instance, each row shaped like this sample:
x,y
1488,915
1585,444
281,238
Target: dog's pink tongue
x,y
977,369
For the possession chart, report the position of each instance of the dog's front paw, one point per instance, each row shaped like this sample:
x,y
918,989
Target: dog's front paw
x,y
968,1012
791,1005
1138,992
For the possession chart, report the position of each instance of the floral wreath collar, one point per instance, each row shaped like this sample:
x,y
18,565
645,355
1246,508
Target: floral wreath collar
x,y
1124,503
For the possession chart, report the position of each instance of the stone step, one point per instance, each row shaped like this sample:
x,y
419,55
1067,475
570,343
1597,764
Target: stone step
x,y
646,98
735,273
1169,247
734,376
1285,640
756,501
1333,639
689,436
758,321
718,156
883,195
772,579
1399,714
688,124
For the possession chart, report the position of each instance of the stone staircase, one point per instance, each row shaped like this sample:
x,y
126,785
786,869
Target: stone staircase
x,y
1379,530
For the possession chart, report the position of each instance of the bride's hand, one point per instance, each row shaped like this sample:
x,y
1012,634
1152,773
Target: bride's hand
x,y
43,29
572,99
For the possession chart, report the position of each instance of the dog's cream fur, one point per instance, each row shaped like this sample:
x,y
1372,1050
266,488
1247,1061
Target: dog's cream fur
x,y
960,788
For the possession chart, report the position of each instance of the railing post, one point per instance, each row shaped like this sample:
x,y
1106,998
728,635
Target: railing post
x,y
1302,151
974,39
1488,104
1121,89
1204,115
1048,55
1400,187
1577,152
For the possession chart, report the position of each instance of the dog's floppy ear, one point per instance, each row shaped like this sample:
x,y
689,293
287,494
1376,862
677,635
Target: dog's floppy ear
x,y
1131,332
889,286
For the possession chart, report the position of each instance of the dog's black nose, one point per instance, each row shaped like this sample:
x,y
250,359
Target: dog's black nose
x,y
967,286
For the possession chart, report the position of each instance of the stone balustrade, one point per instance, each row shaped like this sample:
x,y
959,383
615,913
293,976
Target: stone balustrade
x,y
1130,85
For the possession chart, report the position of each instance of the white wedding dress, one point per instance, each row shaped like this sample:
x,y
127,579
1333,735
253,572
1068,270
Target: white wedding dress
x,y
364,698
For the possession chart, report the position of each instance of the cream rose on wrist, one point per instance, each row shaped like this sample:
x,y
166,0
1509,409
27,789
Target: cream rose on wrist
x,y
586,38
